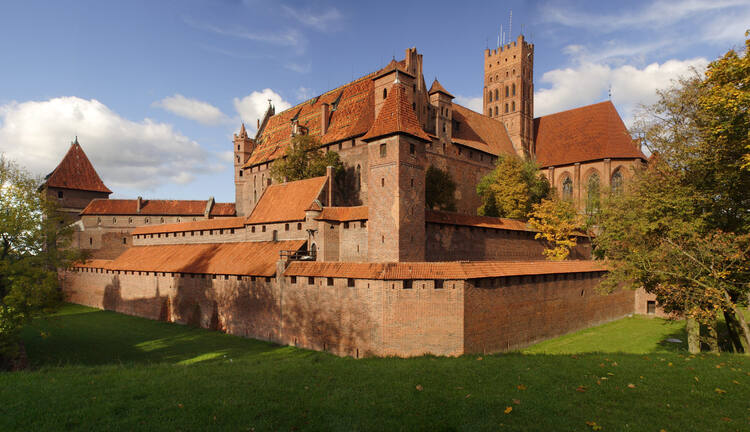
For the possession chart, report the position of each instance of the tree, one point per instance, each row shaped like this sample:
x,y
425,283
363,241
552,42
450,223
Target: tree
x,y
681,228
556,222
304,159
34,244
512,188
440,190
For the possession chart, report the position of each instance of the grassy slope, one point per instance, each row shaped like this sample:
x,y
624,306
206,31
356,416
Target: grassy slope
x,y
101,370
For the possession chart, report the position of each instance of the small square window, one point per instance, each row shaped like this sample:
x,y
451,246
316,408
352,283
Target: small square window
x,y
346,225
311,280
350,282
286,227
438,284
407,284
294,279
60,194
299,226
329,281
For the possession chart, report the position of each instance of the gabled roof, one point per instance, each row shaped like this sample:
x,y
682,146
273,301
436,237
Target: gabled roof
x,y
343,214
439,270
592,132
480,132
156,208
396,116
287,201
201,225
242,258
436,87
449,218
76,172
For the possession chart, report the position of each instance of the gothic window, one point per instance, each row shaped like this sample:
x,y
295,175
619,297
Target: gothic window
x,y
506,107
616,182
358,171
495,109
513,106
507,91
385,93
490,96
592,194
496,94
567,189
513,89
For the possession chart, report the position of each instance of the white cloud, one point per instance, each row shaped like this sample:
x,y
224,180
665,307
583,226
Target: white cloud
x,y
473,103
588,83
325,21
194,109
253,106
125,153
661,13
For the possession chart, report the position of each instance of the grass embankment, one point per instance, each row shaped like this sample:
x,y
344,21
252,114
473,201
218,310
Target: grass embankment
x,y
96,370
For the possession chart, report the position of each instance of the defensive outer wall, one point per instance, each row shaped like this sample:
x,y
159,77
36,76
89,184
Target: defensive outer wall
x,y
385,314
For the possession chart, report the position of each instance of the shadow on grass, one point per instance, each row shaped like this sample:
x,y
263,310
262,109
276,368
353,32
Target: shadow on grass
x,y
85,336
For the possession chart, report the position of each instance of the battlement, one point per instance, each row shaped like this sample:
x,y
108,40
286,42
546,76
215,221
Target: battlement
x,y
519,43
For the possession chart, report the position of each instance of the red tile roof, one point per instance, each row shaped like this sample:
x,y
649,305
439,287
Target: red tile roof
x,y
437,87
247,258
583,134
156,208
447,218
439,270
351,116
76,172
480,132
201,225
287,201
396,116
343,214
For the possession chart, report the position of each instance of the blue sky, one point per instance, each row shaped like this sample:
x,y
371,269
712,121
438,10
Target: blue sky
x,y
155,89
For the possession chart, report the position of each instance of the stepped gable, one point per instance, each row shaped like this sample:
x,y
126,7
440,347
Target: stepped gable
x,y
588,133
343,214
480,132
351,111
156,208
242,258
76,172
455,270
283,202
436,87
396,116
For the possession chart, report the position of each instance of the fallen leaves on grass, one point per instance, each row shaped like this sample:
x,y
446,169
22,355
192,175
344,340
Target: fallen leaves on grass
x,y
581,389
719,391
593,425
631,385
419,387
516,402
521,387
508,410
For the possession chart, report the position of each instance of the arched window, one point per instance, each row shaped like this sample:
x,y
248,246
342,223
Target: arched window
x,y
567,189
506,107
513,106
513,87
495,109
496,94
359,177
615,182
490,96
506,91
592,194
313,249
385,93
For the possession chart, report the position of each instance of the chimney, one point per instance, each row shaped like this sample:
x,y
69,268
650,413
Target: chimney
x,y
209,207
324,118
139,204
329,183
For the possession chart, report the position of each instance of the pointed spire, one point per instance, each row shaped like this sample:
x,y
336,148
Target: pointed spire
x,y
243,132
76,172
437,87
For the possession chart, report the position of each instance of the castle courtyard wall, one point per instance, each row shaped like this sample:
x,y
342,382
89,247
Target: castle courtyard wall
x,y
359,317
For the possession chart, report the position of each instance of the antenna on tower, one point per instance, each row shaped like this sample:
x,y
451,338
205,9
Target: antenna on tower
x,y
510,26
503,36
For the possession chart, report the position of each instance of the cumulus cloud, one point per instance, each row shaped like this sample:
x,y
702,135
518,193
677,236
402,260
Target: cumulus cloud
x,y
126,154
193,109
253,106
589,82
473,103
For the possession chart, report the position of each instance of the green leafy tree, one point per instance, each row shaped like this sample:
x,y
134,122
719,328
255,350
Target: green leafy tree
x,y
680,229
34,244
556,222
440,190
304,159
512,188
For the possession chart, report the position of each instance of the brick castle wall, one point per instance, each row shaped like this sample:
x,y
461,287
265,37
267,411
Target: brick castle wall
x,y
372,317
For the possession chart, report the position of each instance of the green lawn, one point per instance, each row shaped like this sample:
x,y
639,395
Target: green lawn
x,y
96,370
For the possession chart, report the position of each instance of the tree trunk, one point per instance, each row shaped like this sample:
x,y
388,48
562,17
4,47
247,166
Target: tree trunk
x,y
733,328
712,337
741,318
694,335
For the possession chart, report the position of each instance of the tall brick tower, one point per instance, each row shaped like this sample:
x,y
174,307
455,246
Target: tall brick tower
x,y
396,180
243,146
509,91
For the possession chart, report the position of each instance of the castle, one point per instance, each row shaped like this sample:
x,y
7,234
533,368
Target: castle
x,y
365,268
